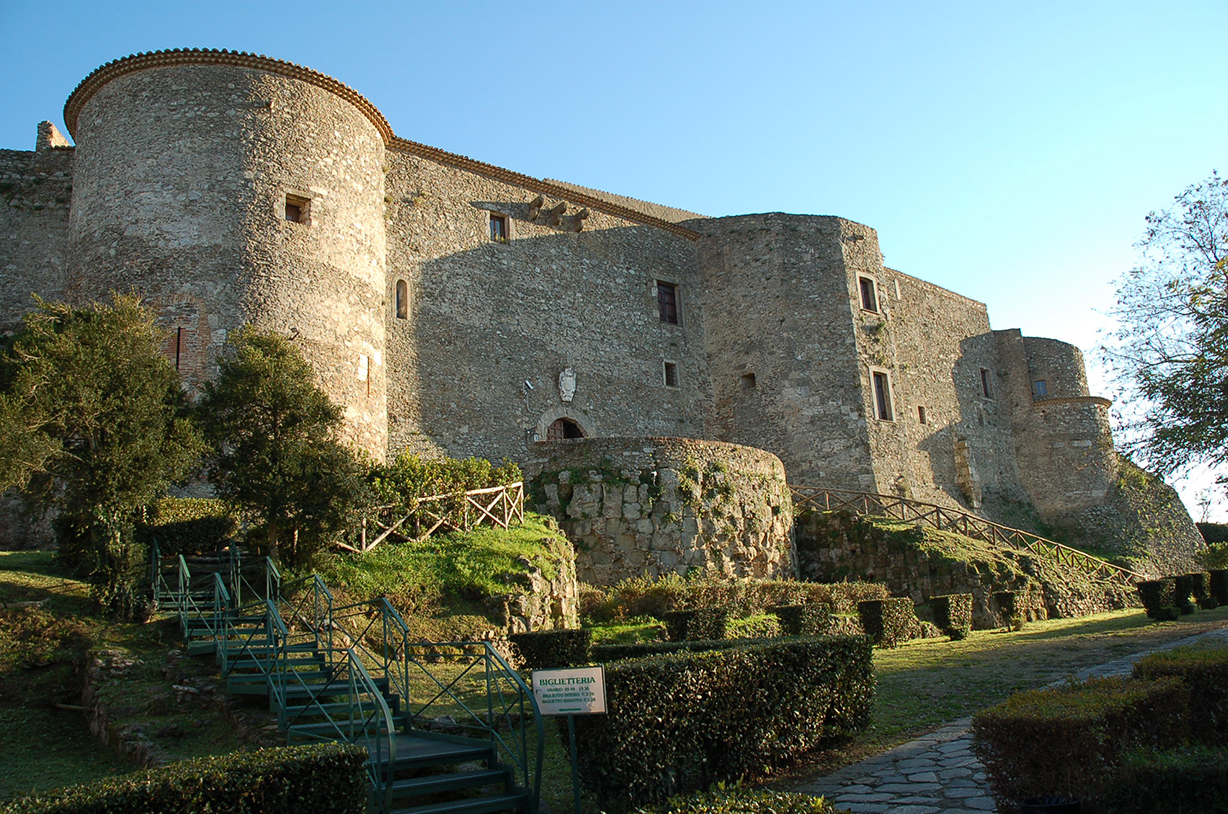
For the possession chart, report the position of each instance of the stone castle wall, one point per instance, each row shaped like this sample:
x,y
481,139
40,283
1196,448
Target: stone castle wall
x,y
667,505
35,193
489,326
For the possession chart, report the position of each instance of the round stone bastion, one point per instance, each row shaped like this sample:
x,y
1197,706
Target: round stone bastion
x,y
655,506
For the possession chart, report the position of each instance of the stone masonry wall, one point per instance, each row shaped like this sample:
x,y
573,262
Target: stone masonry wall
x,y
779,340
489,326
35,192
651,506
181,181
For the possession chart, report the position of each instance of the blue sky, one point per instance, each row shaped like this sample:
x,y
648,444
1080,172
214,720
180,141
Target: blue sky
x,y
1008,151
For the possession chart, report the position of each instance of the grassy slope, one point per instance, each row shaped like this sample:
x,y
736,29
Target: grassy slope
x,y
43,746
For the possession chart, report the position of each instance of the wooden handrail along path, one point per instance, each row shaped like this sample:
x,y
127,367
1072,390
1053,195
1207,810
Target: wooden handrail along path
x,y
969,525
499,506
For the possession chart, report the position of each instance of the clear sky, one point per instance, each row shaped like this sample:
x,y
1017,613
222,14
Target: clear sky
x,y
1006,150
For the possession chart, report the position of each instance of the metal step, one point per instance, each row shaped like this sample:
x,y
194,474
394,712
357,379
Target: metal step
x,y
414,751
435,783
472,805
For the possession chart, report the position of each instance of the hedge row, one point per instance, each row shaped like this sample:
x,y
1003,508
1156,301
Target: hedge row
x,y
1170,597
809,619
1205,672
680,722
889,622
1159,598
738,799
605,653
1068,741
544,649
187,526
653,596
700,624
1219,585
953,614
323,779
1191,780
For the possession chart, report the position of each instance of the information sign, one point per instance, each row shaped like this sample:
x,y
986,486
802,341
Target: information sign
x,y
570,691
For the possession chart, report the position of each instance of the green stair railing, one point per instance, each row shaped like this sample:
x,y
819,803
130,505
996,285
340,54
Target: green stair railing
x,y
467,688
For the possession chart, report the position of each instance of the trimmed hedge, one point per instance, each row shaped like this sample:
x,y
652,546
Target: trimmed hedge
x,y
698,623
1183,597
604,653
680,722
810,619
1193,780
889,622
1205,672
1200,589
543,649
187,526
1159,598
1219,585
1068,741
320,778
738,799
953,614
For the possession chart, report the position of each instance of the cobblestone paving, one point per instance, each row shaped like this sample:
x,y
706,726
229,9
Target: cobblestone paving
x,y
937,773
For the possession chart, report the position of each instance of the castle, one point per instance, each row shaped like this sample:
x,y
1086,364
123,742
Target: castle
x,y
460,308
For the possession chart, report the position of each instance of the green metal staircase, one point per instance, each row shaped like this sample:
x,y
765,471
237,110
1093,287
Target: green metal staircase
x,y
449,728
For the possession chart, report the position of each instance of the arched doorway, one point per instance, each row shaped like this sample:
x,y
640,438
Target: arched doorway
x,y
563,429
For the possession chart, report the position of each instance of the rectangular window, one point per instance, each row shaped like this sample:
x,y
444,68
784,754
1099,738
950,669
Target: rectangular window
x,y
498,228
869,300
985,390
671,374
882,396
1040,389
667,302
921,416
298,209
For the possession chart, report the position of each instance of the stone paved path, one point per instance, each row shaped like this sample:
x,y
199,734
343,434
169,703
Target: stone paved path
x,y
937,773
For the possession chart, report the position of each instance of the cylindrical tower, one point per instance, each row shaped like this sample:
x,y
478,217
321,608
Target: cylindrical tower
x,y
229,190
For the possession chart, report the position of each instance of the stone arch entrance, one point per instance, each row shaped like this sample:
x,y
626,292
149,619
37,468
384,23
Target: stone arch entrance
x,y
563,429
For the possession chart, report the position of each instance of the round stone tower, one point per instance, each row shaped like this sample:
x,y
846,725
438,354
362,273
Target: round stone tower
x,y
228,190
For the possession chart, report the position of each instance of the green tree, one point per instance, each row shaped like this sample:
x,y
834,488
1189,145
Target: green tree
x,y
1171,344
93,423
275,453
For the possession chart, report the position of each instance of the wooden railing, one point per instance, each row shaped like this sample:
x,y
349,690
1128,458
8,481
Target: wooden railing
x,y
969,525
499,506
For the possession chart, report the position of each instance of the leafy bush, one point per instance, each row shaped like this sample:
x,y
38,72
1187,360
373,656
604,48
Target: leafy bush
x,y
1068,740
655,596
738,799
1193,780
1219,585
1205,671
699,623
1213,532
1215,557
953,614
1159,598
323,779
187,526
759,626
810,619
889,622
409,477
682,721
544,649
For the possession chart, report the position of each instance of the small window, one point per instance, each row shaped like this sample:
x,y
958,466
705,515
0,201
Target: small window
x,y
869,300
882,396
985,389
298,209
1040,389
748,381
498,228
402,300
563,429
921,416
671,374
364,366
667,302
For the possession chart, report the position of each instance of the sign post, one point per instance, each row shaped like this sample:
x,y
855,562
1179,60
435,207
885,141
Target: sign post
x,y
571,691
